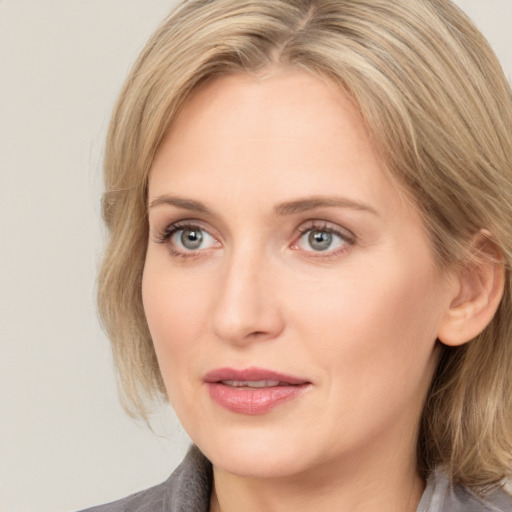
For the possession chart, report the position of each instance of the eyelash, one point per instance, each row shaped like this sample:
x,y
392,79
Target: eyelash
x,y
165,236
348,238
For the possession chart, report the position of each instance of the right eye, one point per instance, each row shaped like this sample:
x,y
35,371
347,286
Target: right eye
x,y
191,238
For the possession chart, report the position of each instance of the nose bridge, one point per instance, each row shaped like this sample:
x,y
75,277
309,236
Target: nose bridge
x,y
246,307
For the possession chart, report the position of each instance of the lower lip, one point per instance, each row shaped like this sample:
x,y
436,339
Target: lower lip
x,y
253,401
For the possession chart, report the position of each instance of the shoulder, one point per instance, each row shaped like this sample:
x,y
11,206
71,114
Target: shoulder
x,y
149,500
186,490
441,496
496,500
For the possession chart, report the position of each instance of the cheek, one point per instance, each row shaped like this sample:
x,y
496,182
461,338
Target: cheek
x,y
373,339
378,326
176,305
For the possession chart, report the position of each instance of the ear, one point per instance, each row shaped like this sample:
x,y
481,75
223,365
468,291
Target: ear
x,y
479,288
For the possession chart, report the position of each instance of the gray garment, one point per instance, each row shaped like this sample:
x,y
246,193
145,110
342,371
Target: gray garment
x,y
188,490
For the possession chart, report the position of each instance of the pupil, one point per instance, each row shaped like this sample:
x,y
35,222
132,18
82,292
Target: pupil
x,y
191,238
320,240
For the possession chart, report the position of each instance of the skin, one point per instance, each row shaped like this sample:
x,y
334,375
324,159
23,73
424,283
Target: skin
x,y
359,320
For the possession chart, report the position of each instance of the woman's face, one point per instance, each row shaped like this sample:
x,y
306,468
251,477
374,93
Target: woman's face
x,y
290,291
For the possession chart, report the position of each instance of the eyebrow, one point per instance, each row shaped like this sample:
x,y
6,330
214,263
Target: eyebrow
x,y
180,202
312,203
287,208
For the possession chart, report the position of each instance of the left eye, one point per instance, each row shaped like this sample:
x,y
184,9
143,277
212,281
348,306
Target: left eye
x,y
320,240
192,239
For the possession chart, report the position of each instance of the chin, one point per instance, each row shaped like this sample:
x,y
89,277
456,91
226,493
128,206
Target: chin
x,y
254,464
256,454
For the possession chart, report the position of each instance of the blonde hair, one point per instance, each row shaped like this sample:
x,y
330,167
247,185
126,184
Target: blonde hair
x,y
436,103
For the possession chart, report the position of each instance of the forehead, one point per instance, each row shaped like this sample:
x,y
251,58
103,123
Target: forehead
x,y
288,133
282,95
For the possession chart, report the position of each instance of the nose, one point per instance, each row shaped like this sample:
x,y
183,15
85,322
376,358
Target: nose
x,y
247,307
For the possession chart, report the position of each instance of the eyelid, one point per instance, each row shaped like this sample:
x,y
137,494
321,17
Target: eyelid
x,y
162,233
344,234
164,236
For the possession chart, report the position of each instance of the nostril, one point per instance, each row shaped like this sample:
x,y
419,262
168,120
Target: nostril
x,y
245,309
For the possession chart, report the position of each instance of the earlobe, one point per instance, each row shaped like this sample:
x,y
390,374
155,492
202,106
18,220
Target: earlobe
x,y
479,288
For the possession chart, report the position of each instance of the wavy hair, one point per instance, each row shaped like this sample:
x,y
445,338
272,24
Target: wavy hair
x,y
439,110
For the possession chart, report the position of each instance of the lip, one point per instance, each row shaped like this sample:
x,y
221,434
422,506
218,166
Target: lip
x,y
255,400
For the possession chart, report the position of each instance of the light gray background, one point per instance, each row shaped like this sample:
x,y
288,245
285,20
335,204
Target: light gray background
x,y
65,443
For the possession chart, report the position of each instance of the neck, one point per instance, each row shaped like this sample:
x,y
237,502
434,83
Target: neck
x,y
388,482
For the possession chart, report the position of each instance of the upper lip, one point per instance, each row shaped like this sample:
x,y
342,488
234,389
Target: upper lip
x,y
252,374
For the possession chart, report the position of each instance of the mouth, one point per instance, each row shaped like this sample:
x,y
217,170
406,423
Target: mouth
x,y
253,383
253,391
254,377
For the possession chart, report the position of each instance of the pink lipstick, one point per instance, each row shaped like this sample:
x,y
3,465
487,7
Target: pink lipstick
x,y
252,390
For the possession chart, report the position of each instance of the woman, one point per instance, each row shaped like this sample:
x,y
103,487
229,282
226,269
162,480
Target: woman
x,y
309,207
